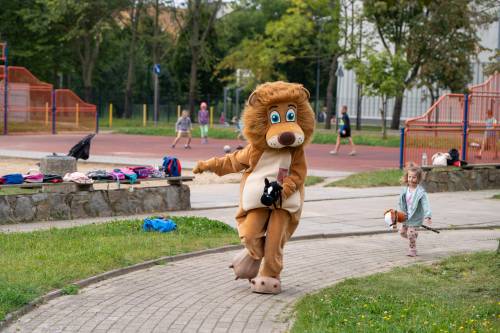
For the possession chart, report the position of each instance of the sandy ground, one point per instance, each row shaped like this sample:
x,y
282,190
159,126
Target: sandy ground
x,y
18,165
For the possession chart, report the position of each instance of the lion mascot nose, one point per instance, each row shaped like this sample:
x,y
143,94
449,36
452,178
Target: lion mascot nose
x,y
286,138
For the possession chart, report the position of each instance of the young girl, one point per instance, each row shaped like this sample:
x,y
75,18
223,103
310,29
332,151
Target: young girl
x,y
203,118
414,202
183,128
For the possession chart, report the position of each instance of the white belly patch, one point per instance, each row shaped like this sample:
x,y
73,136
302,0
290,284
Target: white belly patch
x,y
273,165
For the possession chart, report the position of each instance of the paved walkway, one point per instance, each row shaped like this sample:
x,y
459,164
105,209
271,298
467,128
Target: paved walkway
x,y
137,149
326,210
200,294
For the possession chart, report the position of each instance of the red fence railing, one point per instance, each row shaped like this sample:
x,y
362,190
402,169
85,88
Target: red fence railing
x,y
34,106
466,122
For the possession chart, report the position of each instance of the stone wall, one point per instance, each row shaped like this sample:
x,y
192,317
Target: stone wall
x,y
451,179
66,206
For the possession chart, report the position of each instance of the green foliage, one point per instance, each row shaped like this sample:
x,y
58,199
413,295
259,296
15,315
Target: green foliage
x,y
494,66
34,263
459,294
496,196
389,177
382,74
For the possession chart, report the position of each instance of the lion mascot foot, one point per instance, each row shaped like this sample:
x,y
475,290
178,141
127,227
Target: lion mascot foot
x,y
244,266
265,285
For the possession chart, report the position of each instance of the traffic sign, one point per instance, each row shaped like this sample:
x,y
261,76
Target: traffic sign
x,y
156,69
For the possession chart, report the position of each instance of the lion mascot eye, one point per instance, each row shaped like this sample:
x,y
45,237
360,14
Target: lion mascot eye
x,y
290,115
275,117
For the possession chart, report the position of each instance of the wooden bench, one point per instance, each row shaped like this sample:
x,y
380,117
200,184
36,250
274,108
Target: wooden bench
x,y
75,187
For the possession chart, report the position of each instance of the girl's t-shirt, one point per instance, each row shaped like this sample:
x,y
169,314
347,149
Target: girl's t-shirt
x,y
409,198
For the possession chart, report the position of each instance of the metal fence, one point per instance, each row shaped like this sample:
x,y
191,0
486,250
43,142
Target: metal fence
x,y
30,105
457,121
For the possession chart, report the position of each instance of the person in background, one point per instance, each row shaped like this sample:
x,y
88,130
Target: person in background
x,y
344,132
490,135
239,132
183,126
203,119
322,115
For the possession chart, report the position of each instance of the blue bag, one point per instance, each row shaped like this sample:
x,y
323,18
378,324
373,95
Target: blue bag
x,y
172,166
14,178
159,224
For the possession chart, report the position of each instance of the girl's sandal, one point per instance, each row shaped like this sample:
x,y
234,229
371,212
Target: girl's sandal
x,y
265,285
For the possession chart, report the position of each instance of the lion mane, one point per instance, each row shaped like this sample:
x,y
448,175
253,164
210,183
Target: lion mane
x,y
256,113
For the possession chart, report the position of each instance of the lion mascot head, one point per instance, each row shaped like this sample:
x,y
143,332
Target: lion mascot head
x,y
278,115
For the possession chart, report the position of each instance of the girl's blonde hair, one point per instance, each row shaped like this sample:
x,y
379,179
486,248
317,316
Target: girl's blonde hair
x,y
413,168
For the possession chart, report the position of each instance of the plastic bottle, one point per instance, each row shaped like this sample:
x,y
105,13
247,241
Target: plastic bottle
x,y
424,159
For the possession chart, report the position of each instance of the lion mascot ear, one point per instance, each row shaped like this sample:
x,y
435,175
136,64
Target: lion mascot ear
x,y
253,97
307,92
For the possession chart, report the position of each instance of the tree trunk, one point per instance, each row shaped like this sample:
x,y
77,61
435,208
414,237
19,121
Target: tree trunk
x,y
359,100
88,52
193,80
383,112
196,43
134,23
396,115
331,92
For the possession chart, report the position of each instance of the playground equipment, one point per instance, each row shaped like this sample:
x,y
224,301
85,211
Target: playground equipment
x,y
30,105
456,121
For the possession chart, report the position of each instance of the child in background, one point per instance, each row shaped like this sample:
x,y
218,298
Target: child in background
x,y
239,133
344,132
203,118
183,126
490,135
414,202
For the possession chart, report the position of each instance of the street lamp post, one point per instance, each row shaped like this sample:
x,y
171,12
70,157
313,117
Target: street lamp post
x,y
156,72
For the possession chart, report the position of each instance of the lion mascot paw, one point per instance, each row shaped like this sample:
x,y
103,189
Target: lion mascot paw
x,y
278,122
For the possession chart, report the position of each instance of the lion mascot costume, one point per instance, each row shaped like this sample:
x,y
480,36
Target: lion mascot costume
x,y
278,122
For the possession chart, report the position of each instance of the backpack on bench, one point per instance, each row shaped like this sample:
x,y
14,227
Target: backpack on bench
x,y
172,166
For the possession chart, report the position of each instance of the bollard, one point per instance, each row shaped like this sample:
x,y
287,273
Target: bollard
x,y
178,111
110,115
211,116
144,115
77,118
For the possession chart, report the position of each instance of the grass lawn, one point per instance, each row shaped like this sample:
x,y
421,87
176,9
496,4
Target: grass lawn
x,y
459,294
17,190
31,264
369,136
312,180
389,177
496,196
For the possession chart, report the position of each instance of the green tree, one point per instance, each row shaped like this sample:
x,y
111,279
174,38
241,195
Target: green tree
x,y
418,29
382,75
135,9
310,30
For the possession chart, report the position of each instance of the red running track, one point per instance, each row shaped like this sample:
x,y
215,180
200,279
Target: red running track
x,y
142,146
